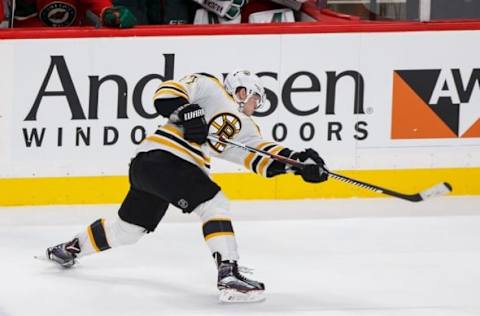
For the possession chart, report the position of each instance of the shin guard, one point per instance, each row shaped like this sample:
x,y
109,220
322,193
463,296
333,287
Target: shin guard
x,y
101,236
217,227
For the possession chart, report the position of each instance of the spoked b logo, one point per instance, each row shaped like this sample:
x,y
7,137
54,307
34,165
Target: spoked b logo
x,y
224,125
436,103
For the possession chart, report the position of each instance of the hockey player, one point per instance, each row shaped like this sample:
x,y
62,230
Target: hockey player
x,y
172,167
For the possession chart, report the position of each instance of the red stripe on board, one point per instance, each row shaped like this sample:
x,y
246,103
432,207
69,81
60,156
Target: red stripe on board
x,y
241,29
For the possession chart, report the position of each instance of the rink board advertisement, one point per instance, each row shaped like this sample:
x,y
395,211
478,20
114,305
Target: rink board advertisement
x,y
372,103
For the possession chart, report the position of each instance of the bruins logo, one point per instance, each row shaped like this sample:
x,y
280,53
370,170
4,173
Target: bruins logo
x,y
58,14
224,125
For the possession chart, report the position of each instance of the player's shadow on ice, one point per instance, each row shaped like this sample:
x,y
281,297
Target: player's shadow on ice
x,y
185,298
161,291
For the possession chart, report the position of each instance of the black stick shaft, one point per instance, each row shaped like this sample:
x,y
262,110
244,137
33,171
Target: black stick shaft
x,y
410,197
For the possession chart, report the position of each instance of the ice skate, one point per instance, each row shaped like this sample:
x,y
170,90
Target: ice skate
x,y
65,253
234,287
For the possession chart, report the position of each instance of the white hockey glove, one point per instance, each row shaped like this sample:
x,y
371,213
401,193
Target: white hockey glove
x,y
229,9
203,16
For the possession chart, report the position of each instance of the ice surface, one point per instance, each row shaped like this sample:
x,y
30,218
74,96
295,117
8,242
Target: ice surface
x,y
317,257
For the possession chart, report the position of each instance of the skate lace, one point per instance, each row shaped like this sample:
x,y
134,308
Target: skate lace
x,y
243,269
73,247
246,270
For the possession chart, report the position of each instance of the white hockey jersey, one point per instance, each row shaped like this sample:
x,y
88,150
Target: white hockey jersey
x,y
223,118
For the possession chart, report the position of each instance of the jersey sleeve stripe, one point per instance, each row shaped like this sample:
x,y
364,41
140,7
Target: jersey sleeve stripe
x,y
258,158
168,91
276,150
255,163
262,168
263,160
248,160
178,86
174,85
269,147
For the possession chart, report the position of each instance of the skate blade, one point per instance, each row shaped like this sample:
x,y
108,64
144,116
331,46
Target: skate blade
x,y
234,296
41,258
46,259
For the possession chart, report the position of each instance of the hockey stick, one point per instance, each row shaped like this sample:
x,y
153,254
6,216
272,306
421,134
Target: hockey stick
x,y
436,190
12,8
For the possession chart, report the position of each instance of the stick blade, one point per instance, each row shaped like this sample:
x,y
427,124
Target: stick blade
x,y
437,190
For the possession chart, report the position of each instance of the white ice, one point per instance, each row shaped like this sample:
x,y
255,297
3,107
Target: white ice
x,y
317,257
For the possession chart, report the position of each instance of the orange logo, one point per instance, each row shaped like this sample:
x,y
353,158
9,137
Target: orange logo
x,y
435,103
